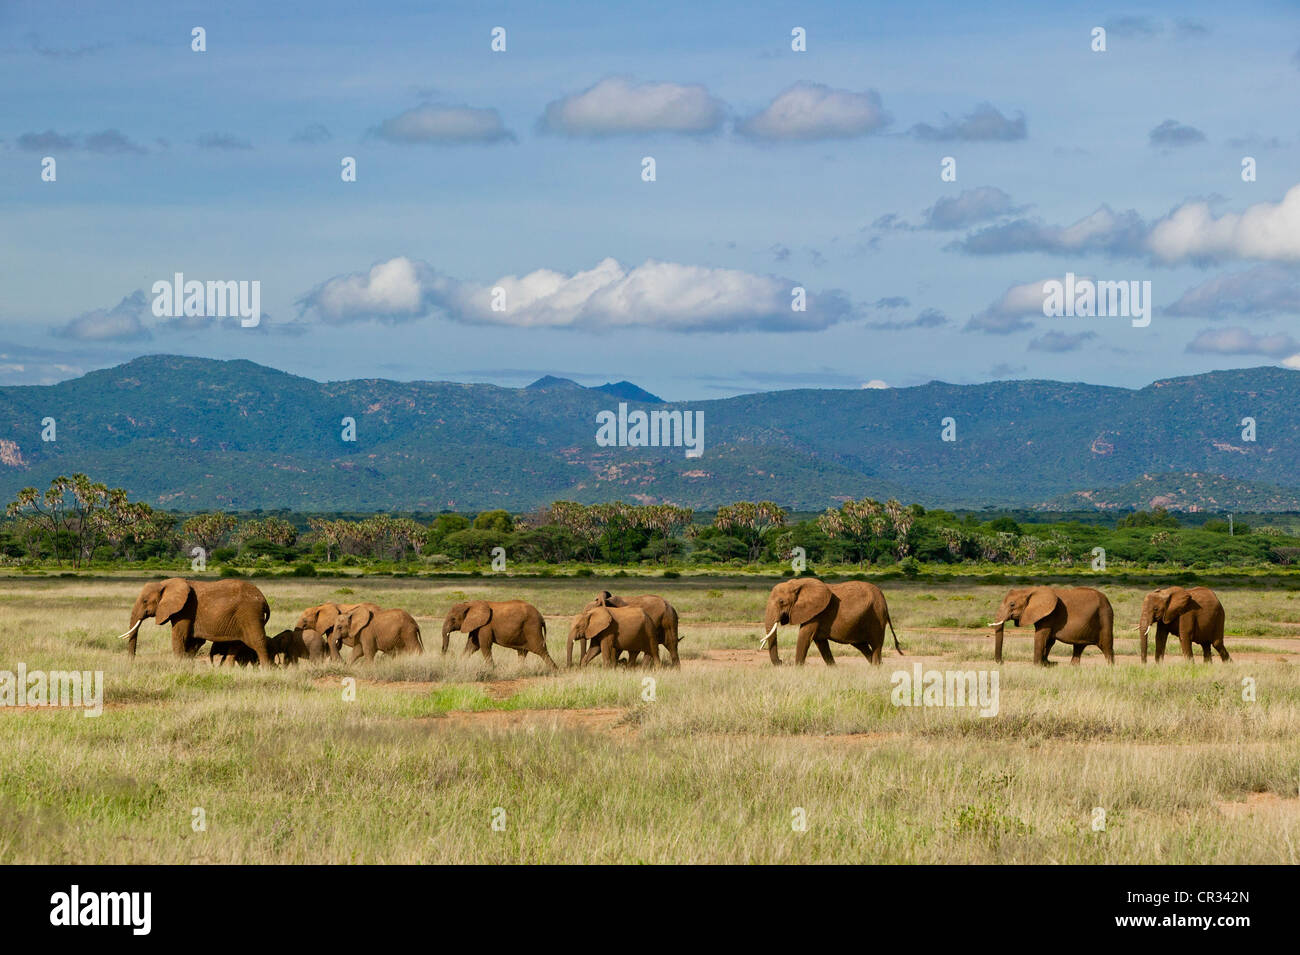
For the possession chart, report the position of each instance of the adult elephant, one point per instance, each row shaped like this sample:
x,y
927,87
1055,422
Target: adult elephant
x,y
1194,613
514,624
854,612
1080,616
657,608
201,610
369,632
322,618
613,630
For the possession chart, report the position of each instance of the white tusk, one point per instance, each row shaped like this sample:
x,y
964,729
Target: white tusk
x,y
998,623
132,630
762,644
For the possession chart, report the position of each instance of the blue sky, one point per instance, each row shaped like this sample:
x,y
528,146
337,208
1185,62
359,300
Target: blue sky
x,y
774,168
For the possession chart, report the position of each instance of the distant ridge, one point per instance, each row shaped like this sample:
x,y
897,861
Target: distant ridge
x,y
195,433
623,390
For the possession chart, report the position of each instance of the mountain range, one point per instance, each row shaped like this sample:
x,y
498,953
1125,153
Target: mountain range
x,y
192,433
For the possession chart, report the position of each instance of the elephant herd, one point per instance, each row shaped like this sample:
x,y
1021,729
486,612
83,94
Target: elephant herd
x,y
232,615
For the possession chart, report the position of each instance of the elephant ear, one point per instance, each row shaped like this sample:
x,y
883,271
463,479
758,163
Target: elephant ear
x,y
1179,603
598,621
478,615
326,616
812,598
1041,603
358,618
175,591
603,598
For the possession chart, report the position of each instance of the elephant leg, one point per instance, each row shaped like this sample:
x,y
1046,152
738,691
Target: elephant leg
x,y
523,653
545,654
1205,652
1042,644
805,640
485,644
1161,638
1185,643
872,654
181,630
590,654
192,645
1078,653
357,654
1106,643
824,648
471,642
257,643
1223,651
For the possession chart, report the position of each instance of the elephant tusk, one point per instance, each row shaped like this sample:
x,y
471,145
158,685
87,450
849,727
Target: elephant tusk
x,y
762,644
998,623
132,630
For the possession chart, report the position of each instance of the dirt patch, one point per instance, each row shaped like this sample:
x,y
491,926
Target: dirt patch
x,y
1261,804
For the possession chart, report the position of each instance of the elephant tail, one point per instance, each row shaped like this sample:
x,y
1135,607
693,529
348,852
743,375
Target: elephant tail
x,y
419,638
890,621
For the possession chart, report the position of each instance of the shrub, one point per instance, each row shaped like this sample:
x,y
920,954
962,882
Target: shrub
x,y
303,570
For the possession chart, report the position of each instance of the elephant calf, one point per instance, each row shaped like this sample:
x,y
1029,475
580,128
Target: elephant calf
x,y
1194,613
659,610
389,631
1080,616
612,630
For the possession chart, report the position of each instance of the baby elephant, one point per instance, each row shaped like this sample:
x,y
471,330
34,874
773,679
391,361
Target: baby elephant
x,y
1193,614
612,630
292,644
390,631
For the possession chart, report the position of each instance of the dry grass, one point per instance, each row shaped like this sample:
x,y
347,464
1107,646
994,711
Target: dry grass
x,y
587,771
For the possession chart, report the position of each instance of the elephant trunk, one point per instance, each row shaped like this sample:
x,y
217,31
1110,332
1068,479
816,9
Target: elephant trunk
x,y
1144,624
998,629
137,618
447,628
771,620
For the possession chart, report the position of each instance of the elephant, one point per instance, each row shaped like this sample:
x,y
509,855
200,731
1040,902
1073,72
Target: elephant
x,y
660,611
321,619
513,624
367,632
1194,613
853,612
198,610
289,643
615,629
1080,616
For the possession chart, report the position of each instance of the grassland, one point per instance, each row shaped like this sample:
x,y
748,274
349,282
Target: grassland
x,y
586,770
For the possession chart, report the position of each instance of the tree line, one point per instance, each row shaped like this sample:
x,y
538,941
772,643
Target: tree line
x,y
77,521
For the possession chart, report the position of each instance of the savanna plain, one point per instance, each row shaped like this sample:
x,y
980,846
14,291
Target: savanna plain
x,y
720,766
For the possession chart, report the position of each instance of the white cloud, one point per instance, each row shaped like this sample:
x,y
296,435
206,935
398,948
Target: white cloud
x,y
444,124
808,111
617,106
665,295
1241,341
1266,231
1012,311
128,320
875,384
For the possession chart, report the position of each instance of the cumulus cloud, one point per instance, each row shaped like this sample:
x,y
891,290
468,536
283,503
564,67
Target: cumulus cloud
x,y
312,134
1060,341
811,111
444,124
1134,27
1241,341
663,295
1012,311
222,141
928,318
1103,231
1173,133
985,123
619,106
1263,290
971,206
1266,231
104,142
128,320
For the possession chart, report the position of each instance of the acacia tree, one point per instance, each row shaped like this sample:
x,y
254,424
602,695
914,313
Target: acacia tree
x,y
209,531
749,522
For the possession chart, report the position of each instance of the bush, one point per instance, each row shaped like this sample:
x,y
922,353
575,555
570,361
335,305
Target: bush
x,y
584,572
671,575
303,570
228,572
